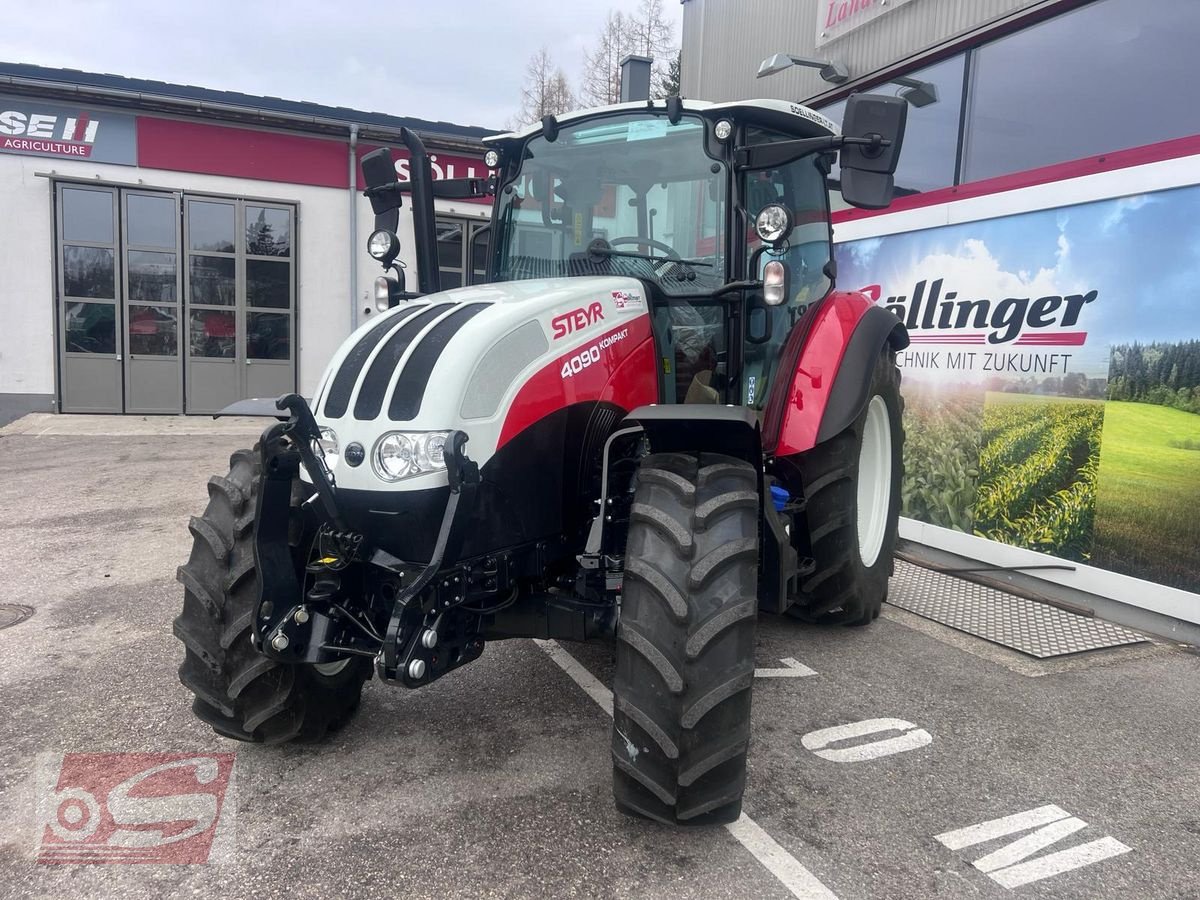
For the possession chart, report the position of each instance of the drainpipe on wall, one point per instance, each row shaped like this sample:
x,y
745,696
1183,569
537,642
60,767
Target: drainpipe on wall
x,y
353,228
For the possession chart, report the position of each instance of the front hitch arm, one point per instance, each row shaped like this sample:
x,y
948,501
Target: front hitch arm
x,y
303,431
463,476
284,447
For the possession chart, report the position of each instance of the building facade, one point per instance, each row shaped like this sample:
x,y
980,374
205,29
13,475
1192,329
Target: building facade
x,y
1042,250
171,249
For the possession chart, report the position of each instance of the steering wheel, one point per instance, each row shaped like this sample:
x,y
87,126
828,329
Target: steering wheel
x,y
659,245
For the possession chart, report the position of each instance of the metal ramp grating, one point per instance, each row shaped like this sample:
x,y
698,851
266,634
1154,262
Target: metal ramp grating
x,y
1033,628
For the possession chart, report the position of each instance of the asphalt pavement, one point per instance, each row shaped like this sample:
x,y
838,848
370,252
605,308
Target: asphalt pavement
x,y
957,768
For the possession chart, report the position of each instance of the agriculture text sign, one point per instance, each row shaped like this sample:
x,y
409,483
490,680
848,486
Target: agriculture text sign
x,y
38,128
1053,380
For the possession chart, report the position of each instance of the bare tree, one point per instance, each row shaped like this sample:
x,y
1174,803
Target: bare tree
x,y
601,82
651,33
546,91
646,32
667,82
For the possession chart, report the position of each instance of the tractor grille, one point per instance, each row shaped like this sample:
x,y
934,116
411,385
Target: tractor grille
x,y
338,399
370,395
410,387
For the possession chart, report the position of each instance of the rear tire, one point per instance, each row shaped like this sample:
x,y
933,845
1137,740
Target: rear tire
x,y
852,492
241,693
685,640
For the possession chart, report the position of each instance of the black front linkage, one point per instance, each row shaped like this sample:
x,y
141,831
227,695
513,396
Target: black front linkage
x,y
285,628
284,447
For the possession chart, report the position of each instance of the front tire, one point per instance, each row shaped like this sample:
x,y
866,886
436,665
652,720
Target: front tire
x,y
241,693
852,491
685,640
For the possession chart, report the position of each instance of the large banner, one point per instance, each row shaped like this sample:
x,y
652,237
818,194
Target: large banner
x,y
1053,381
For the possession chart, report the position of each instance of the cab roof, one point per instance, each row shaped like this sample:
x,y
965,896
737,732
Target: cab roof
x,y
781,115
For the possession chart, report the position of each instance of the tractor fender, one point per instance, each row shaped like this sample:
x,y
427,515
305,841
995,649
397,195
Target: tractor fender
x,y
877,328
830,358
732,430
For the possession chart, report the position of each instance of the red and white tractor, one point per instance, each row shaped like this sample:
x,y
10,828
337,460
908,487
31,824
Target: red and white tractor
x,y
655,420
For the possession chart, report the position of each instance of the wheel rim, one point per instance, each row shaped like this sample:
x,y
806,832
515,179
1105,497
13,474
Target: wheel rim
x,y
330,669
874,480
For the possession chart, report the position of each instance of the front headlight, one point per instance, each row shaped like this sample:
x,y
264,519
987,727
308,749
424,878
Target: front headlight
x,y
400,454
327,447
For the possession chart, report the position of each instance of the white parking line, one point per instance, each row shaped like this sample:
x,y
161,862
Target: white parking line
x,y
803,884
791,669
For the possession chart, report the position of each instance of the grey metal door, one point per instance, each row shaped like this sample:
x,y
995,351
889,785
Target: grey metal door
x,y
240,289
210,238
90,334
150,252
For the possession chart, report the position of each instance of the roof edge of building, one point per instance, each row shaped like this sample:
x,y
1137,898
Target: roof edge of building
x,y
245,114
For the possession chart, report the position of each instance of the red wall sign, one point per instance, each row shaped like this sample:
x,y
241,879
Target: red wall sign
x,y
271,155
444,165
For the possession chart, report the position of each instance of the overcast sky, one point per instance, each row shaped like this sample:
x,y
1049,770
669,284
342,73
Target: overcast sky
x,y
460,61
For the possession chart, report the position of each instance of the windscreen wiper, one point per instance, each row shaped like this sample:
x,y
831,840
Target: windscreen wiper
x,y
599,249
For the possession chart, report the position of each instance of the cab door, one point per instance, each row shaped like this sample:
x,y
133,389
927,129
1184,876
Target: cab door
x,y
801,187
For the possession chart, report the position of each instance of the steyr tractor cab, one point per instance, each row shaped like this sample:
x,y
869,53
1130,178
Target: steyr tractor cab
x,y
656,419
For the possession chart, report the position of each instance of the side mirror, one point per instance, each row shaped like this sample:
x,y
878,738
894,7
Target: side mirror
x,y
383,190
874,127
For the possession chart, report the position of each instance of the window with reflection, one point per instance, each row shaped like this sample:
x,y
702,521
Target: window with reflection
x,y
930,150
89,272
151,221
151,276
268,231
268,335
152,330
213,334
91,328
1105,77
87,215
268,283
213,280
462,257
210,226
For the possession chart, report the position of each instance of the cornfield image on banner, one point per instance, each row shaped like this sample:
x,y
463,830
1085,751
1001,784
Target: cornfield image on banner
x,y
1038,466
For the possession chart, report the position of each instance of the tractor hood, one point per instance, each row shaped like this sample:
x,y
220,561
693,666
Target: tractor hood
x,y
458,360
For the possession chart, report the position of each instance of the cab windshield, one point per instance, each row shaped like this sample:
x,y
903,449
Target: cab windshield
x,y
619,195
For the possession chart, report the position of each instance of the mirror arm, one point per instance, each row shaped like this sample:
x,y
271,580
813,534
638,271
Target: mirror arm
x,y
780,153
734,287
455,188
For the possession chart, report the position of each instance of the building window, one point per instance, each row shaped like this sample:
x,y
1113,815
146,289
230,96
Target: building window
x,y
930,152
1108,76
454,248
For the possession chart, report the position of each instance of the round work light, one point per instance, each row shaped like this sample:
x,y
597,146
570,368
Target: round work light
x,y
774,223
